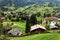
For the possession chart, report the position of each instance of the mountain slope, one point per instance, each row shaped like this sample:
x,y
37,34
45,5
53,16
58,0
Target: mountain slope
x,y
25,2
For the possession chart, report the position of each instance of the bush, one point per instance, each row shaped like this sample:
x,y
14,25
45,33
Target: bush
x,y
13,19
3,37
47,26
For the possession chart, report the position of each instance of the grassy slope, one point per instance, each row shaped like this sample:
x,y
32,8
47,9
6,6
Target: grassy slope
x,y
39,37
20,25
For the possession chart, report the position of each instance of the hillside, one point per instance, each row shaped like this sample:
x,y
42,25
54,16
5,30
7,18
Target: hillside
x,y
39,37
24,5
25,2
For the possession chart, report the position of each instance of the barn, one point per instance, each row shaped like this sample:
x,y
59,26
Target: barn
x,y
37,29
15,32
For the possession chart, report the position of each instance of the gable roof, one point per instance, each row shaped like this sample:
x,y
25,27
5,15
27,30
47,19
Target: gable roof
x,y
36,27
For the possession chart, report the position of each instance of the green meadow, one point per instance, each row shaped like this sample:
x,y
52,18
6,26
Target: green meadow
x,y
44,36
39,37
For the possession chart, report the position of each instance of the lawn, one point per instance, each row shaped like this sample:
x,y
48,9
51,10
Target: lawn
x,y
39,37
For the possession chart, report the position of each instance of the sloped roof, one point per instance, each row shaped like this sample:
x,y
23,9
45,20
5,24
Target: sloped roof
x,y
59,19
51,27
15,31
36,27
51,18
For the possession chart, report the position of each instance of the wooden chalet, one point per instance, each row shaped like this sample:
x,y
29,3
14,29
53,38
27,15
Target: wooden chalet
x,y
37,29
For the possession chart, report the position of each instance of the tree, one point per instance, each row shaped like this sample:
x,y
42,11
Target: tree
x,y
1,26
4,37
33,19
0,11
58,15
9,16
27,25
44,15
17,19
41,21
38,14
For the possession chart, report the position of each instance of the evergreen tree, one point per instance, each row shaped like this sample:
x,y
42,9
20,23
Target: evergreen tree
x,y
33,19
27,25
44,15
41,21
1,26
17,19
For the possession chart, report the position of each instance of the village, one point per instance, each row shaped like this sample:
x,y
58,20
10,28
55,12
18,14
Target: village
x,y
29,19
48,24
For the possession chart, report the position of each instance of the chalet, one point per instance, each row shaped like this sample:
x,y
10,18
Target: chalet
x,y
37,29
15,32
53,21
48,19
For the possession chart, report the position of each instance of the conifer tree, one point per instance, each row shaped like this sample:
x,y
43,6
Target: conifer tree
x,y
33,19
27,25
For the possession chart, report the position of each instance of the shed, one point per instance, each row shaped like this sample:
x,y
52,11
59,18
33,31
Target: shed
x,y
37,29
15,32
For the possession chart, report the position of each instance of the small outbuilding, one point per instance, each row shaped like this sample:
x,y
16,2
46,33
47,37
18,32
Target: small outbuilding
x,y
37,29
53,25
15,32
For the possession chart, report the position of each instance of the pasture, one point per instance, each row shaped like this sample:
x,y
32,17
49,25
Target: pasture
x,y
39,37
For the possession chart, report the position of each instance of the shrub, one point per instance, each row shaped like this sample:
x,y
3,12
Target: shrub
x,y
47,26
3,37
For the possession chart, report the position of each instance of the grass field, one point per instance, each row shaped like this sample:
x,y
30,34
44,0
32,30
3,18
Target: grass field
x,y
39,37
21,25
